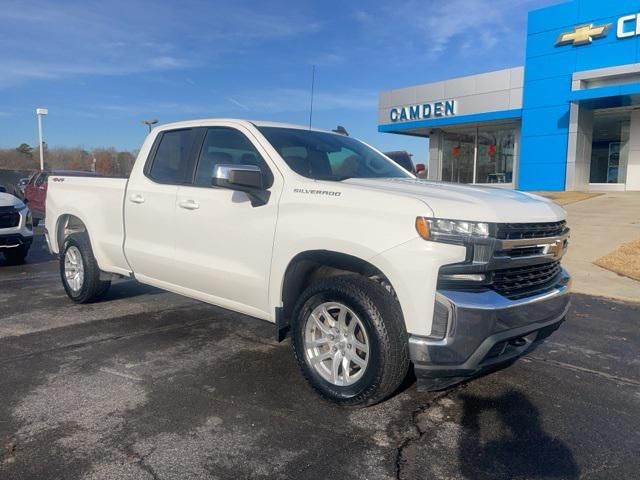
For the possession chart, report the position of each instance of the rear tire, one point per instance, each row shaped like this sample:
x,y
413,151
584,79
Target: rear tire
x,y
16,256
79,270
350,341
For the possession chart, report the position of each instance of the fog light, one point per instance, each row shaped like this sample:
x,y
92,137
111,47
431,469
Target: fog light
x,y
442,316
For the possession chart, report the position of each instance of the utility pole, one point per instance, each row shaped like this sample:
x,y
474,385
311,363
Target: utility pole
x,y
41,112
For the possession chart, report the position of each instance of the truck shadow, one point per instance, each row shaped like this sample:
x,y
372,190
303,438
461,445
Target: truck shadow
x,y
504,438
122,289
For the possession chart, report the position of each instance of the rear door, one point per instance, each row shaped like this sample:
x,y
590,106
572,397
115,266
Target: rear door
x,y
225,244
150,206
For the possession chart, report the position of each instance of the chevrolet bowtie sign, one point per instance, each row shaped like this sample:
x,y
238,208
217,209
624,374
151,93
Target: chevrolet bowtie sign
x,y
583,35
627,27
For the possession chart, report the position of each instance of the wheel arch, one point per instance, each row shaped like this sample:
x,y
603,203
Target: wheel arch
x,y
66,225
308,266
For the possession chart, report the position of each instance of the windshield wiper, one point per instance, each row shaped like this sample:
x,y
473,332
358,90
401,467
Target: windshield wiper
x,y
334,178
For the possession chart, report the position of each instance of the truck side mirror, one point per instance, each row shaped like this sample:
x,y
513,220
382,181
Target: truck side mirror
x,y
242,178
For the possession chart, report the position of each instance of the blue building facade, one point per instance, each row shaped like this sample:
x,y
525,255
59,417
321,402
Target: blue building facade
x,y
566,120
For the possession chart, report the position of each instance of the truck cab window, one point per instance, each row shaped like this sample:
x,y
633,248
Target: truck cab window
x,y
171,162
227,146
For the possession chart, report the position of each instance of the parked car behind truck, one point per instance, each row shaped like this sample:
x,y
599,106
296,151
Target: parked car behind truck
x,y
367,269
16,228
403,158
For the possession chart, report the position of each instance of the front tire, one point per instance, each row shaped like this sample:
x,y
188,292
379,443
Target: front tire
x,y
349,340
79,270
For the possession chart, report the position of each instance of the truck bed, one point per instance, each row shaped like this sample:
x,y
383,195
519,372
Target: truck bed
x,y
98,203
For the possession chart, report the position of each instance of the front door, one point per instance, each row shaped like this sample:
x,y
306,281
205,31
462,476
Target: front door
x,y
224,243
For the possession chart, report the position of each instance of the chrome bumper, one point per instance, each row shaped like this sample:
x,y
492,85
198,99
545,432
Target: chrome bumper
x,y
486,331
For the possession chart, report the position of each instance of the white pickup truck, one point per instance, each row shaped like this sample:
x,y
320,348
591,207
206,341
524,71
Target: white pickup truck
x,y
367,268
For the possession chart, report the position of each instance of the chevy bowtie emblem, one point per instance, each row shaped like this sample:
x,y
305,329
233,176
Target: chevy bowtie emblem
x,y
556,249
583,35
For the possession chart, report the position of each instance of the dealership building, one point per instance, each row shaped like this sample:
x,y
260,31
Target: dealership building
x,y
569,119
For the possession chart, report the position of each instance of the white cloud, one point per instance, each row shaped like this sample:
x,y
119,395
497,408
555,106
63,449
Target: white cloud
x,y
43,39
435,29
328,59
237,103
283,100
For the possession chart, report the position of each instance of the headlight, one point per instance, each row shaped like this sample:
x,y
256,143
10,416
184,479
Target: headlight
x,y
450,231
20,207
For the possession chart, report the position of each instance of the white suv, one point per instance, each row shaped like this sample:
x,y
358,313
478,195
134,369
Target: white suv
x,y
16,228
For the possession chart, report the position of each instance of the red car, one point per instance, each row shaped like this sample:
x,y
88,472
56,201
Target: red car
x,y
35,192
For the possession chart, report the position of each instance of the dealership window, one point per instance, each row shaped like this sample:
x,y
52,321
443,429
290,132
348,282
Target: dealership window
x,y
458,153
480,155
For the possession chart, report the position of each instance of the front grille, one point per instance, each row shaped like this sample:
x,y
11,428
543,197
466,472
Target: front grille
x,y
11,240
519,231
9,217
522,252
524,281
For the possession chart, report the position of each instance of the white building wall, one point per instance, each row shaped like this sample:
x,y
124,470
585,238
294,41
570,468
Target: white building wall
x,y
488,92
579,151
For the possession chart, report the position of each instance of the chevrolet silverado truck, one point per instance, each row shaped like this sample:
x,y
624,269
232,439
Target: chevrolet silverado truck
x,y
369,270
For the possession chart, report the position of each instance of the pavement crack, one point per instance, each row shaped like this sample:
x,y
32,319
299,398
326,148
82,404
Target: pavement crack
x,y
576,368
417,431
141,461
8,456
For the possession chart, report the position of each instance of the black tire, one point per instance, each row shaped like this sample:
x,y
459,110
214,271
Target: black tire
x,y
92,288
16,256
380,313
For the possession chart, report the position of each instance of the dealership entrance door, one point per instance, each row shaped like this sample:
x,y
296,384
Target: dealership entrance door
x,y
610,147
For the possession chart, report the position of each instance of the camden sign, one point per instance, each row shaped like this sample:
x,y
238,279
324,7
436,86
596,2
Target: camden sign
x,y
424,111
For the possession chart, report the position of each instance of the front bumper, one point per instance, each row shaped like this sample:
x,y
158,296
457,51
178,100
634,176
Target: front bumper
x,y
15,240
19,235
486,331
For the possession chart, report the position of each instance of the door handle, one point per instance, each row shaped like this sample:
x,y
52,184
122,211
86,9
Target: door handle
x,y
189,205
136,198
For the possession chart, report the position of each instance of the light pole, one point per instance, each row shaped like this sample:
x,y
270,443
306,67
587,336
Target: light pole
x,y
40,112
150,123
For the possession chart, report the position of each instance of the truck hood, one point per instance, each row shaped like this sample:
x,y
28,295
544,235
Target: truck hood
x,y
466,202
8,200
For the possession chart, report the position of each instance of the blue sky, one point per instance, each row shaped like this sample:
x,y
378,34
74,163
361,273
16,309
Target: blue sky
x,y
101,67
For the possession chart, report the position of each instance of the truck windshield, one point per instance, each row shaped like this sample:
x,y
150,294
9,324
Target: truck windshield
x,y
327,156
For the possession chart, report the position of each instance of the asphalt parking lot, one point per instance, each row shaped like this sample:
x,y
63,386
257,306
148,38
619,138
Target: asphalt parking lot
x,y
150,385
